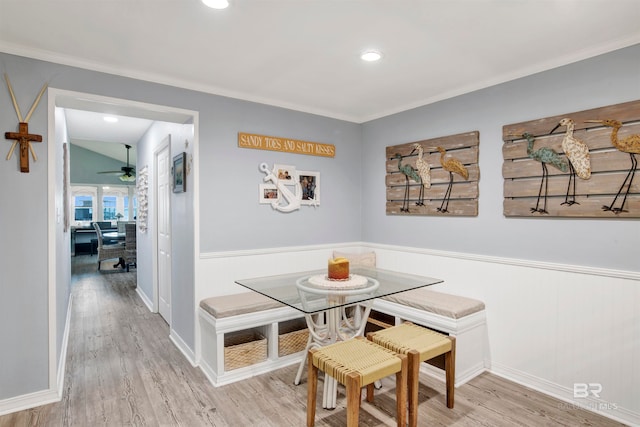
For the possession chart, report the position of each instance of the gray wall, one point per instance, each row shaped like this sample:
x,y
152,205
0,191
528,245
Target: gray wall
x,y
23,254
609,243
182,230
232,219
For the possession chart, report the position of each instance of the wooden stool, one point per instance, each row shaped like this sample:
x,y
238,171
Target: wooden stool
x,y
419,344
356,363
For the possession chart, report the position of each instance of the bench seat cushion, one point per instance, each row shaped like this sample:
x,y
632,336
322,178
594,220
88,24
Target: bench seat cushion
x,y
233,305
367,259
447,305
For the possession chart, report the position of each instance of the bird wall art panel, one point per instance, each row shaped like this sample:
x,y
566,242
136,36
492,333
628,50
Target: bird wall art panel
x,y
437,177
581,164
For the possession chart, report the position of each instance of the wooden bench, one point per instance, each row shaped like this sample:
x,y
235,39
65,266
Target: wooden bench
x,y
255,329
462,317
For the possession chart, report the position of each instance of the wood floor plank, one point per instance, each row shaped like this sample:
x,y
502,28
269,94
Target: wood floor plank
x,y
122,369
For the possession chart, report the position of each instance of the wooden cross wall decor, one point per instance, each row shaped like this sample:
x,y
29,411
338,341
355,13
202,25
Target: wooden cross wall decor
x,y
23,137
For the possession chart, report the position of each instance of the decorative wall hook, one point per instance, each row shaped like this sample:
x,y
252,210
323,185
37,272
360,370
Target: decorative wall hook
x,y
23,137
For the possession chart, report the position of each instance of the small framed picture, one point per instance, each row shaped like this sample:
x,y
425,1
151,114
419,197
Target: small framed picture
x,y
310,183
268,193
180,173
285,173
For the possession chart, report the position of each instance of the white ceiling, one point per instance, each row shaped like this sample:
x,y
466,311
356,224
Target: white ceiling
x,y
88,130
304,54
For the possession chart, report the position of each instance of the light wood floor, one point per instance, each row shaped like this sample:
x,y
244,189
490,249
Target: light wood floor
x,y
122,369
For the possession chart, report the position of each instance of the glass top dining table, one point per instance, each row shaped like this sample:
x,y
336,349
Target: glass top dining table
x,y
334,310
310,291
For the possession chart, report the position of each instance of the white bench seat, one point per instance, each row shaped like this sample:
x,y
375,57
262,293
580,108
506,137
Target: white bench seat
x,y
245,311
447,305
454,315
233,305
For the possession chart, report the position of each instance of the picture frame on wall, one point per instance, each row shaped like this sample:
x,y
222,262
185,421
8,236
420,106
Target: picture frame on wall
x,y
268,193
310,183
180,173
285,173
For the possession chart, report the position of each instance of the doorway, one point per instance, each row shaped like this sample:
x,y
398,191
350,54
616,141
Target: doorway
x,y
59,242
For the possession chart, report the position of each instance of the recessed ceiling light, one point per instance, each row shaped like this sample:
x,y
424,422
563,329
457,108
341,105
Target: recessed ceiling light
x,y
371,55
216,4
110,119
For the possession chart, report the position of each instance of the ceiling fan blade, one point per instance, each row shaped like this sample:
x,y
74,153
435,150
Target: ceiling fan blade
x,y
125,171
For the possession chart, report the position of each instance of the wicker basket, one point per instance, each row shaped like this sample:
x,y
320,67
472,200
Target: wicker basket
x,y
244,348
292,337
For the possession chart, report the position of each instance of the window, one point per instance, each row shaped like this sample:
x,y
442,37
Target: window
x,y
114,199
128,216
109,207
83,208
93,203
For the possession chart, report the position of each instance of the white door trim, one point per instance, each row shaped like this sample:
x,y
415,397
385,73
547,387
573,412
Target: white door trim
x,y
164,145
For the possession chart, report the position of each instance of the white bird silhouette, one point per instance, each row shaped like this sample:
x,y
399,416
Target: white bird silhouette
x,y
579,160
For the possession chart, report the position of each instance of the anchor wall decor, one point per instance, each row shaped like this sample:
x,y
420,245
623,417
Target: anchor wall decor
x,y
23,137
286,200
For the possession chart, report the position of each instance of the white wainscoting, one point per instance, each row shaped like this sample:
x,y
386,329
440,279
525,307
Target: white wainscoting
x,y
550,326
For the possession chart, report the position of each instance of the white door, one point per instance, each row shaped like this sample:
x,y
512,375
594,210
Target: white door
x,y
163,227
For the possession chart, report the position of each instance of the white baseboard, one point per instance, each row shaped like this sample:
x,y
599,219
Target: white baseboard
x,y
44,397
608,409
62,362
28,401
183,347
145,299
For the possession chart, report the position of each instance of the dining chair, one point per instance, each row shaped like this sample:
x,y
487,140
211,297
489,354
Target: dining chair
x,y
356,363
419,344
130,246
106,252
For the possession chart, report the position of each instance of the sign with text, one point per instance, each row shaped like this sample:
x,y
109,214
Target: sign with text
x,y
274,143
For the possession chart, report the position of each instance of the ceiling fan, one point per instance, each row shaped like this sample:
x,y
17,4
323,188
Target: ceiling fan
x,y
127,173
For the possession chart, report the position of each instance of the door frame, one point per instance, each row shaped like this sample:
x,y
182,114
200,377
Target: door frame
x,y
101,104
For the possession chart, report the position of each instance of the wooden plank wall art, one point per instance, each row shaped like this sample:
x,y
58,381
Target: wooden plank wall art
x,y
436,176
579,164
